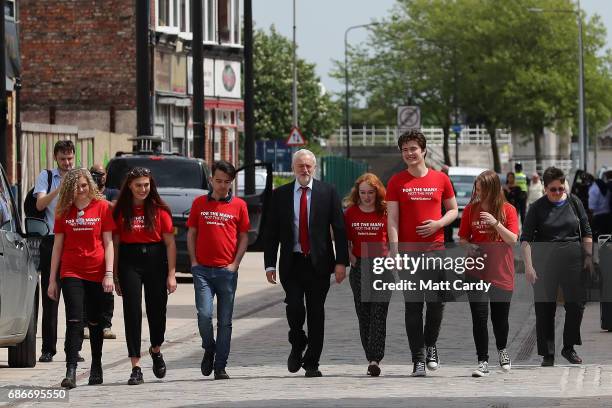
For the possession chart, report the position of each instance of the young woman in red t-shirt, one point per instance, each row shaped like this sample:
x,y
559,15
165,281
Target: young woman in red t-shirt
x,y
489,226
366,223
83,247
145,255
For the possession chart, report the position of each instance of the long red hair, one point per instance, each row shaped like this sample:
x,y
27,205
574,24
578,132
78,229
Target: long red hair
x,y
353,197
492,196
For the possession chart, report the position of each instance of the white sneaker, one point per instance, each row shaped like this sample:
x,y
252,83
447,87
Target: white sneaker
x,y
432,358
504,360
482,370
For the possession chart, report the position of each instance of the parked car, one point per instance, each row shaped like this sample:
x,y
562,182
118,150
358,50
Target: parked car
x,y
18,280
463,181
182,179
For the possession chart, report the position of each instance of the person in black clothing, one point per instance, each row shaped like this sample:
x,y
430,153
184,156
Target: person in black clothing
x,y
557,248
512,191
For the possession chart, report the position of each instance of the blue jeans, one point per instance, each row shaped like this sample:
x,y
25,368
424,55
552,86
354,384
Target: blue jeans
x,y
209,282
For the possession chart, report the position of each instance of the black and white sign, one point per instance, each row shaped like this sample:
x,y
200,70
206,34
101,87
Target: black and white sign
x,y
408,117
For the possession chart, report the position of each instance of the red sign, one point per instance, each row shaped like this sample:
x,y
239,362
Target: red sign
x,y
295,138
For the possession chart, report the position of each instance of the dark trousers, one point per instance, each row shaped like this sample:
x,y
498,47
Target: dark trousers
x,y
77,294
601,224
49,306
560,266
499,301
301,283
372,315
108,308
143,265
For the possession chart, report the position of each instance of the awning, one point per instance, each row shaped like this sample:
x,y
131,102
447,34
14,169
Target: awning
x,y
227,104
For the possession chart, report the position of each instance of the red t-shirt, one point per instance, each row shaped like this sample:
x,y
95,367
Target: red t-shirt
x,y
499,264
363,227
139,234
420,199
218,224
83,251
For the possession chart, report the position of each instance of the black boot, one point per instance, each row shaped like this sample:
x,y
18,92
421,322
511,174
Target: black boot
x,y
70,380
95,373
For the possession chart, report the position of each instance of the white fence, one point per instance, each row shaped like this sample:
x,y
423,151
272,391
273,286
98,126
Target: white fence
x,y
387,136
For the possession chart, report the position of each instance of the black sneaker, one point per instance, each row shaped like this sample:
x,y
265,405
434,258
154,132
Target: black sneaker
x,y
373,369
294,362
548,361
504,360
571,355
432,358
46,357
220,374
159,365
136,376
313,373
419,369
207,363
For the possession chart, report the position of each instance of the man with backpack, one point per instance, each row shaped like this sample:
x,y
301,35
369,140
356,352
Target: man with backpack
x,y
46,195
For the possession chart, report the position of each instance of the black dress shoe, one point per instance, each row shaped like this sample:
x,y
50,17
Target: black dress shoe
x,y
159,365
294,362
95,373
571,355
548,361
313,373
374,370
207,363
70,380
220,374
46,357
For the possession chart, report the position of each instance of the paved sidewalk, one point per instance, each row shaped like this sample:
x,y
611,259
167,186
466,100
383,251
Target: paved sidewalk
x,y
260,378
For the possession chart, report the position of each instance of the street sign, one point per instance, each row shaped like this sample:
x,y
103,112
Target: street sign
x,y
457,128
295,138
408,117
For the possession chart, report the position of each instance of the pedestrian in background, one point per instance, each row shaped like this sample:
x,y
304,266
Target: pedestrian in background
x,y
489,227
536,189
556,242
217,240
145,255
83,245
366,231
521,182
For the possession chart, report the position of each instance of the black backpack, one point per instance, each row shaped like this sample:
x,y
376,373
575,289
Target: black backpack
x,y
29,205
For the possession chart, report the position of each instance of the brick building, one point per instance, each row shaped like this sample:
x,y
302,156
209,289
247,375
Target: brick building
x,y
79,68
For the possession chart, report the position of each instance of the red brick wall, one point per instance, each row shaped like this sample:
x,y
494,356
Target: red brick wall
x,y
78,54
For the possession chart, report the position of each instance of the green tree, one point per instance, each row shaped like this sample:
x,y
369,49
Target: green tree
x,y
318,115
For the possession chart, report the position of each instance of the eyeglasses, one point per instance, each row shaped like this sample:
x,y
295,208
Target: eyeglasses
x,y
139,172
556,189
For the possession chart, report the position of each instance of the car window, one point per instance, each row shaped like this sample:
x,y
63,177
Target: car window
x,y
167,172
7,218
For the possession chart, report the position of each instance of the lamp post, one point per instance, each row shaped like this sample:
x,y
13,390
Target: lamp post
x,y
346,83
582,139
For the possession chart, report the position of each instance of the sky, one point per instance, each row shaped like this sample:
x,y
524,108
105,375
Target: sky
x,y
321,25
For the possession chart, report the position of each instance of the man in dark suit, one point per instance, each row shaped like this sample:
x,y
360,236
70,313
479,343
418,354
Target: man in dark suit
x,y
301,216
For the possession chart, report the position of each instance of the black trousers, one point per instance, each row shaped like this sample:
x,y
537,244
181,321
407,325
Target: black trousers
x,y
49,306
371,310
108,308
499,301
303,282
558,266
78,294
143,265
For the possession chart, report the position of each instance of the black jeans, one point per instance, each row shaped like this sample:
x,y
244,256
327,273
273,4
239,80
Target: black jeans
x,y
558,266
49,306
78,294
499,301
304,282
143,264
371,309
108,308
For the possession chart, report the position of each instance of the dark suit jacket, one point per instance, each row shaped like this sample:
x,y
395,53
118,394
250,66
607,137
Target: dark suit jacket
x,y
325,212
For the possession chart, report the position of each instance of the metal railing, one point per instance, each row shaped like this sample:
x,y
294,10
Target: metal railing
x,y
387,136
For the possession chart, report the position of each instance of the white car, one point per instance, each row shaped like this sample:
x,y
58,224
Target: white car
x,y
463,180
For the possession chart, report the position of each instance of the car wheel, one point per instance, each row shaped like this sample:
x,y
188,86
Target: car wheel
x,y
24,353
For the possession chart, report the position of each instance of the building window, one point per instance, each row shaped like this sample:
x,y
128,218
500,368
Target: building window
x,y
209,21
184,21
9,9
175,17
236,22
163,13
224,21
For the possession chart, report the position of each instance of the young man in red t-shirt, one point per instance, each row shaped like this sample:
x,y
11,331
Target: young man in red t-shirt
x,y
217,240
415,223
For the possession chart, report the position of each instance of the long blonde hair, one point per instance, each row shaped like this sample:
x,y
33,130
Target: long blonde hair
x,y
69,187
